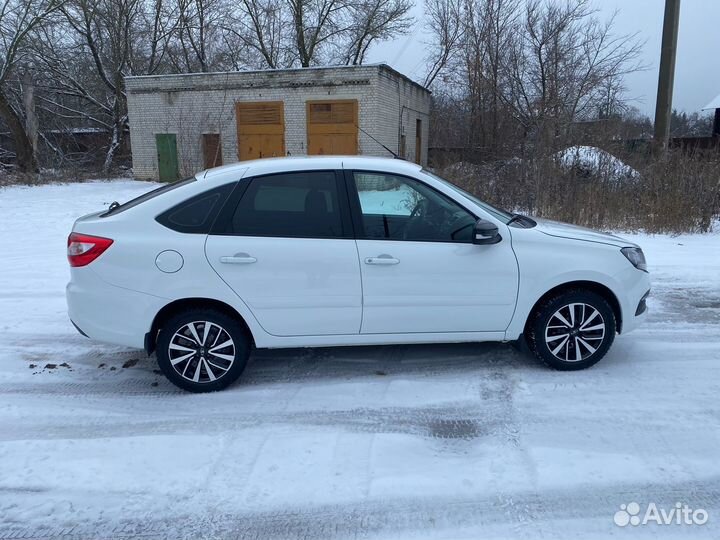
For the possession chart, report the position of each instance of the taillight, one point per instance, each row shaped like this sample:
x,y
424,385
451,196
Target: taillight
x,y
82,249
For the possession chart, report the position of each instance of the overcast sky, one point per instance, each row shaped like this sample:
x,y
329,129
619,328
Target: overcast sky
x,y
697,71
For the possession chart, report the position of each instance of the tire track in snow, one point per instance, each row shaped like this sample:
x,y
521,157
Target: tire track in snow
x,y
456,422
528,514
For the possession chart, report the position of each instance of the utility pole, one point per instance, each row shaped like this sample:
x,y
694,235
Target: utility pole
x,y
663,106
31,121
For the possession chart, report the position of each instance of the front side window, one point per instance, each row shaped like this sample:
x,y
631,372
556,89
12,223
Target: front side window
x,y
302,204
400,208
497,213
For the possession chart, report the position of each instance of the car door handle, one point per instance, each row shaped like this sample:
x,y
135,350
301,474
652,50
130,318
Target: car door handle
x,y
383,259
238,258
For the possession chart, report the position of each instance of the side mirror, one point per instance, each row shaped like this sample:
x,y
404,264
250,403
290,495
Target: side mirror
x,y
485,232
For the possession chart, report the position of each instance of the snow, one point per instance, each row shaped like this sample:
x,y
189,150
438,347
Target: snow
x,y
714,104
590,160
442,441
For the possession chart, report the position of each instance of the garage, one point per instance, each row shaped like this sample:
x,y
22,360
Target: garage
x,y
209,119
332,127
260,129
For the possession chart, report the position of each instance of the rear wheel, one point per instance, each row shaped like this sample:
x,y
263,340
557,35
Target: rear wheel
x,y
572,330
202,350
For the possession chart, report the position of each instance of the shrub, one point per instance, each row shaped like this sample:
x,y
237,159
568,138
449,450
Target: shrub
x,y
675,193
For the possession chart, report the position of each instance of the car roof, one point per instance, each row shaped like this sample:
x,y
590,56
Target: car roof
x,y
257,167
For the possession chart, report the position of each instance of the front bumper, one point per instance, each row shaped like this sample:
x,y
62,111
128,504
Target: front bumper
x,y
642,305
636,286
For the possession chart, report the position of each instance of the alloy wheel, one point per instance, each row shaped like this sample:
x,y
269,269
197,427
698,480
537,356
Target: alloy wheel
x,y
574,332
201,351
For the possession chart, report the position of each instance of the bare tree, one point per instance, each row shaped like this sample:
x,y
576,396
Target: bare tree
x,y
79,63
491,27
444,24
524,72
260,27
314,23
106,29
563,58
195,43
285,33
369,21
18,18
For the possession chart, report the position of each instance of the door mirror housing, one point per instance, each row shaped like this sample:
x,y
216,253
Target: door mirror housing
x,y
485,232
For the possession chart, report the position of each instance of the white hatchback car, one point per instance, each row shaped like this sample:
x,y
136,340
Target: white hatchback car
x,y
330,251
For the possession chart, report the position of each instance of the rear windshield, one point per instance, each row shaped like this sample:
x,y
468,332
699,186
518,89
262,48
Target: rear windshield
x,y
116,209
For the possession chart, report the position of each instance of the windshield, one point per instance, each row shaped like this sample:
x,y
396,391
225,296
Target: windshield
x,y
147,196
497,213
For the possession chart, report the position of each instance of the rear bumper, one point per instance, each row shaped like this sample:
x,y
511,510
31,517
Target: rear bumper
x,y
107,313
79,329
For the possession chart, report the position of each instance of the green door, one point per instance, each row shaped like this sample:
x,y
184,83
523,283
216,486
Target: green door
x,y
166,144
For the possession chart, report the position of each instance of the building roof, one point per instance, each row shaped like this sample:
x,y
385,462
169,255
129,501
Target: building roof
x,y
714,104
144,83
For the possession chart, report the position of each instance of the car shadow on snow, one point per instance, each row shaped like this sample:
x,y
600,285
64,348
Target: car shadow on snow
x,y
291,365
98,369
474,399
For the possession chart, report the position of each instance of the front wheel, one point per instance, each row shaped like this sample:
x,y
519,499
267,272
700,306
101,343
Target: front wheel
x,y
572,330
202,350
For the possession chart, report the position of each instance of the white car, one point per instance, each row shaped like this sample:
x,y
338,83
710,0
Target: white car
x,y
331,251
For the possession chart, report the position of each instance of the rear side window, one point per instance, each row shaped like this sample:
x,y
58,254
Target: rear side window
x,y
147,196
303,204
197,214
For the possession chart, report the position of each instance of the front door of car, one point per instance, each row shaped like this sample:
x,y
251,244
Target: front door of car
x,y
287,251
420,270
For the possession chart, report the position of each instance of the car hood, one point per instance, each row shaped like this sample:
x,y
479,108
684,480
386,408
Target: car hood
x,y
565,230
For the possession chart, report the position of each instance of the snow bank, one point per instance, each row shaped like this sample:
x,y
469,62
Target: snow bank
x,y
592,161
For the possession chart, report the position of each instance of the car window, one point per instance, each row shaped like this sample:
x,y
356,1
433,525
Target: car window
x,y
400,208
303,204
496,212
196,215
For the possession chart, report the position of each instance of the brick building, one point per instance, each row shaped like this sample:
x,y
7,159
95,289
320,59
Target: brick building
x,y
180,124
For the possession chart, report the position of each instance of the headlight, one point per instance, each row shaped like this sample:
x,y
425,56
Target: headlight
x,y
636,256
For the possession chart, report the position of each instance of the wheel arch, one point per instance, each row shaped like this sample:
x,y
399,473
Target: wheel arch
x,y
174,307
593,286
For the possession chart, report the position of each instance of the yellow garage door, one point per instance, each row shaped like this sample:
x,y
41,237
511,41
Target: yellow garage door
x,y
260,129
332,127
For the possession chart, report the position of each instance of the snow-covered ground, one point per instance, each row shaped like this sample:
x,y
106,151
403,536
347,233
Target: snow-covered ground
x,y
457,441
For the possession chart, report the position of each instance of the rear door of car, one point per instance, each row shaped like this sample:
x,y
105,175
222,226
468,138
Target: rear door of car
x,y
287,250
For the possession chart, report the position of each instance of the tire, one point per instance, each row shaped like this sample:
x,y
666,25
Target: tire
x,y
571,341
197,361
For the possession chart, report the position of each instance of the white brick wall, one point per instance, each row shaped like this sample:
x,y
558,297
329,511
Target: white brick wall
x,y
402,104
189,105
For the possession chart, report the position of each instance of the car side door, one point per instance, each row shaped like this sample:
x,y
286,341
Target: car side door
x,y
286,249
420,270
